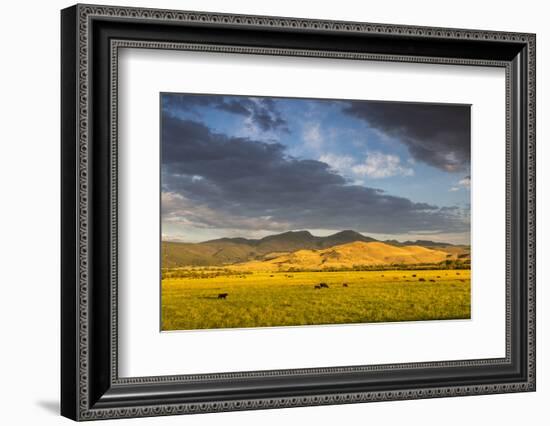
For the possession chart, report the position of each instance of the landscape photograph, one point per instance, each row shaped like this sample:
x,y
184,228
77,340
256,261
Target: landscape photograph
x,y
280,212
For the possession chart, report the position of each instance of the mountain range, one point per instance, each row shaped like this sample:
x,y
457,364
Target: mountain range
x,y
309,249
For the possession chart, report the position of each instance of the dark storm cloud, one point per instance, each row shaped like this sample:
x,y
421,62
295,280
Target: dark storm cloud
x,y
438,135
247,179
261,111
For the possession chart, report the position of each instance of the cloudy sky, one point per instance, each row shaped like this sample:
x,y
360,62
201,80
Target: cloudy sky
x,y
254,166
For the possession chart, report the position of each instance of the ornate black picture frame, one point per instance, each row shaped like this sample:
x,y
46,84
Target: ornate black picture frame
x,y
91,386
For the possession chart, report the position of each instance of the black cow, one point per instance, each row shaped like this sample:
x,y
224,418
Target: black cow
x,y
222,295
323,285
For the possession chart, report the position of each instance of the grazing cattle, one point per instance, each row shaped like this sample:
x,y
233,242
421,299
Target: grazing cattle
x,y
438,276
414,276
381,275
432,281
323,285
421,279
345,285
272,275
222,295
458,273
317,287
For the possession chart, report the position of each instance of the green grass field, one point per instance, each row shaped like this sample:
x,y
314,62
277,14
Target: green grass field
x,y
290,299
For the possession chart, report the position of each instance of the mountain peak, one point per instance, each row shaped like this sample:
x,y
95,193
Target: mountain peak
x,y
288,234
346,236
347,233
305,233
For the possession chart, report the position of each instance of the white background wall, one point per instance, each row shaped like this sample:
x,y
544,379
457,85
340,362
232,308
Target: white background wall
x,y
29,212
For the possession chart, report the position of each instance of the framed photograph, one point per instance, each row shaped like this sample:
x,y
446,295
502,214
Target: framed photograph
x,y
263,212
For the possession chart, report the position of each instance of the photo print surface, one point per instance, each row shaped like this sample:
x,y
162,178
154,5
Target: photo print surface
x,y
298,212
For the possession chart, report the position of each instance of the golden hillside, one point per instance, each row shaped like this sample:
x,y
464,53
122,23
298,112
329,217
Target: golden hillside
x,y
346,256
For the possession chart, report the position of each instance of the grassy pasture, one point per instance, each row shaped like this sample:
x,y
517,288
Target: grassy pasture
x,y
289,299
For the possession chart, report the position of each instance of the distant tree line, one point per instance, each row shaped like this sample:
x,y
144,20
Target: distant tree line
x,y
209,272
200,273
446,264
